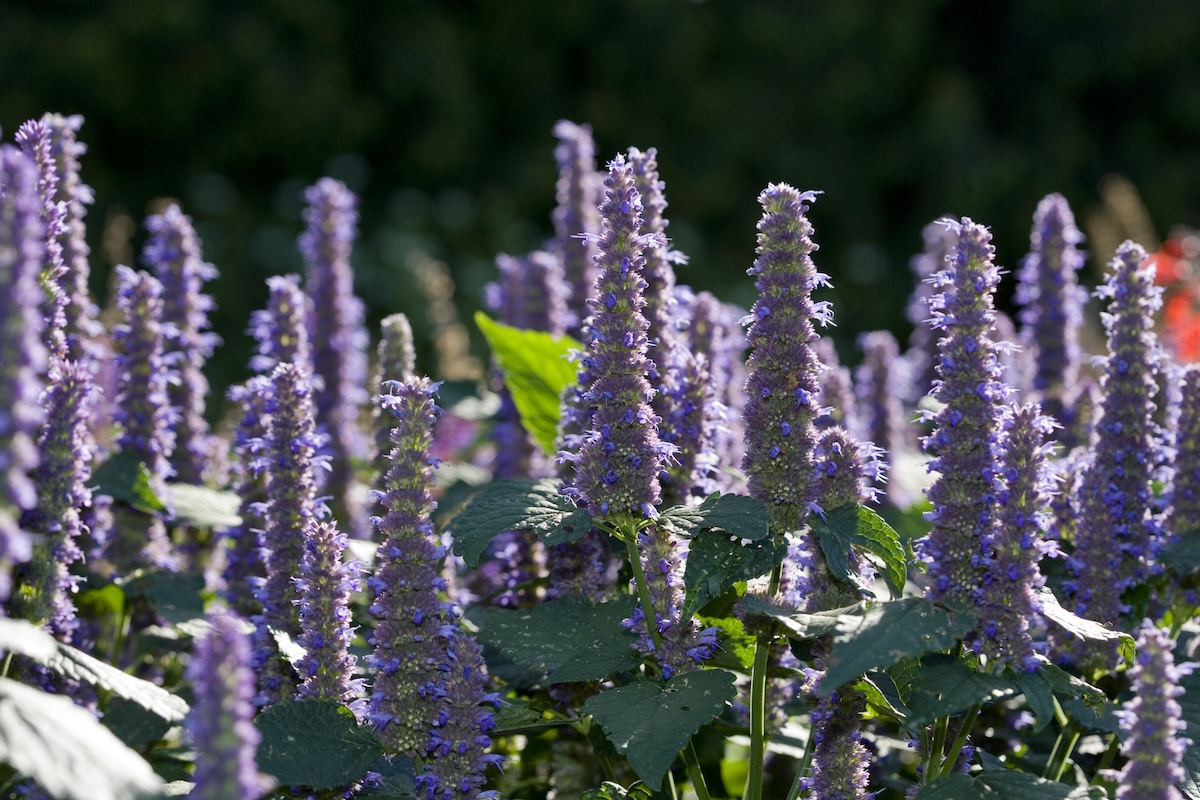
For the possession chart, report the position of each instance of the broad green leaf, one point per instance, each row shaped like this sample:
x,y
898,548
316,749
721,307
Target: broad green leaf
x,y
536,368
66,750
945,686
315,743
797,624
1189,704
204,507
1183,557
175,596
133,724
883,700
24,638
1092,715
716,561
615,791
569,638
842,529
516,717
1040,686
1009,784
517,505
891,632
649,722
735,514
395,781
123,477
1085,629
737,646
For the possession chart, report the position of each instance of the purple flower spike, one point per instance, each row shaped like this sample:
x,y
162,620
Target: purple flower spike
x,y
408,611
173,252
531,293
146,418
840,760
922,355
244,568
1009,604
618,463
781,392
326,583
396,360
716,334
1052,302
62,493
1184,514
575,219
22,352
694,418
458,743
83,327
291,463
880,411
280,330
965,437
35,140
1116,539
339,342
220,723
1152,722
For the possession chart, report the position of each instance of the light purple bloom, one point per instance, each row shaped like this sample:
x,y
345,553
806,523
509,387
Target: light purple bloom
x,y
244,569
339,342
396,360
714,331
576,221
22,352
1184,514
964,442
781,392
693,422
1116,539
173,252
1152,722
220,724
922,355
280,330
880,412
146,418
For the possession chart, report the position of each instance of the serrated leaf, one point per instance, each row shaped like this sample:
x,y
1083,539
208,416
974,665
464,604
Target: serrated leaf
x,y
395,780
736,514
649,722
175,596
842,529
1009,784
716,561
70,754
1085,629
203,507
125,478
315,743
24,638
517,505
945,686
569,638
1093,716
1189,704
736,644
891,632
798,624
536,368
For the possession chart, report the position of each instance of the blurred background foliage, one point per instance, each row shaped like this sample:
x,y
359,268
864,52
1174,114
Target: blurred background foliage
x,y
438,113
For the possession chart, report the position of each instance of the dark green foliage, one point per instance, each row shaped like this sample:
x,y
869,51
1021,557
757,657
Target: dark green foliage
x,y
316,743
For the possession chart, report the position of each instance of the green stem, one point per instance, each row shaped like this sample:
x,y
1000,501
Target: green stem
x,y
1063,747
7,664
643,586
805,763
960,741
758,700
936,752
694,772
1106,760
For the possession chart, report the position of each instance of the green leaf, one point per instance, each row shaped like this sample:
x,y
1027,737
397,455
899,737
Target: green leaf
x,y
841,530
536,369
1092,715
1009,784
797,624
395,782
1039,688
945,686
615,791
133,724
1183,557
891,632
736,514
517,505
315,743
24,638
649,722
204,507
1085,629
1189,704
123,477
175,596
515,716
717,560
569,638
66,750
883,699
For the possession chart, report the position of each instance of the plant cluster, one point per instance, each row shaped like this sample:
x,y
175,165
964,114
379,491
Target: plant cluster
x,y
671,549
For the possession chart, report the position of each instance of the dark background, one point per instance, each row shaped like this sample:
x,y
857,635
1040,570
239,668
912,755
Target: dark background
x,y
439,114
